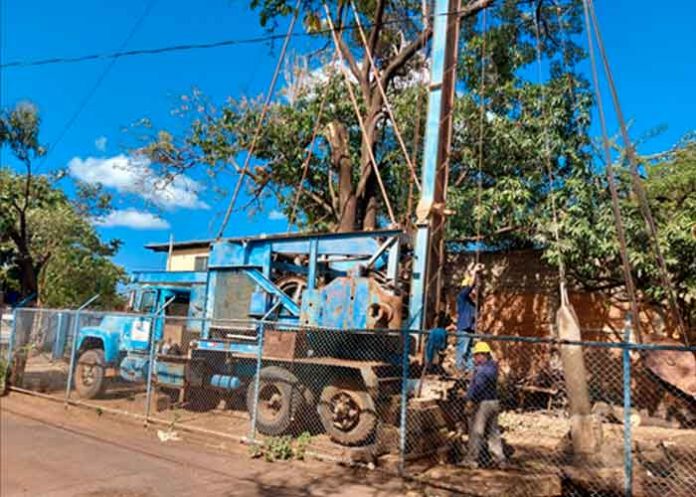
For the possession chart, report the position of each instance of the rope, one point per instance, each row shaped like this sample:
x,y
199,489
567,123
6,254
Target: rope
x,y
356,107
380,87
257,133
636,181
549,171
479,179
414,154
620,231
305,166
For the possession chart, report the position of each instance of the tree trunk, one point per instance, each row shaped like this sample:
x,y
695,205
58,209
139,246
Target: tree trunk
x,y
28,280
337,136
368,189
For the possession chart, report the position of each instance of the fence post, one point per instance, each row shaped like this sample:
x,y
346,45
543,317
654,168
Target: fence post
x,y
150,368
628,435
406,336
257,379
73,348
10,345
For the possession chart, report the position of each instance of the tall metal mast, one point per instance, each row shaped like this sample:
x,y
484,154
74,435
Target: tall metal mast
x,y
429,248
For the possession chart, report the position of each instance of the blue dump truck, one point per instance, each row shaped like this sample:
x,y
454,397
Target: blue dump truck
x,y
119,344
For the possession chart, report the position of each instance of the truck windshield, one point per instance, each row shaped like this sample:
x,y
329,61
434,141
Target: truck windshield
x,y
148,301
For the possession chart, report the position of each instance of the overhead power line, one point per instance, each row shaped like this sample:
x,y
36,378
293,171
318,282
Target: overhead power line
x,y
193,46
102,76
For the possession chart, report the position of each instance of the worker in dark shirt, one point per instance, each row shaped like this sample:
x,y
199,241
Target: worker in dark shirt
x,y
466,318
483,407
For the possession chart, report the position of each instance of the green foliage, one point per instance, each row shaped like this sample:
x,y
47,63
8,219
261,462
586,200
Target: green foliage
x,y
47,243
282,448
517,175
4,368
590,248
513,162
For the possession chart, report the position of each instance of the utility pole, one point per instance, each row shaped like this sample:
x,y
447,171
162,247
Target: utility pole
x,y
429,247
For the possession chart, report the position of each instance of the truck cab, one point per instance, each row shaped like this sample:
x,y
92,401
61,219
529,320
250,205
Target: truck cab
x,y
162,311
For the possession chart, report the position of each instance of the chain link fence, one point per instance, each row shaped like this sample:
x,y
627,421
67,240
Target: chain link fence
x,y
532,416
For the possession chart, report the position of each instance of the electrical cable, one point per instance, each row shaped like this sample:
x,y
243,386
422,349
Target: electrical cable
x,y
100,79
636,180
308,158
356,107
257,133
618,221
549,170
197,46
479,179
383,93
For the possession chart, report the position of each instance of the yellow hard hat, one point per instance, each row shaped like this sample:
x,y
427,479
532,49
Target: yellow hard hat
x,y
482,348
468,280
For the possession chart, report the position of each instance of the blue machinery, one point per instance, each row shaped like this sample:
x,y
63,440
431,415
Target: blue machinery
x,y
351,299
312,283
337,281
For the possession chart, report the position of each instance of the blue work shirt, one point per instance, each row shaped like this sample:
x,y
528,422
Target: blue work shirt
x,y
466,310
484,384
437,342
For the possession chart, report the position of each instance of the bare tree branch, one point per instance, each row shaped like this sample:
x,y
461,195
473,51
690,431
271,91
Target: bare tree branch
x,y
405,55
374,35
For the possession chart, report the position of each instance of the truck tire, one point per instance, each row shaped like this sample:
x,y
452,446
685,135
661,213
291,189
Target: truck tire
x,y
90,380
348,415
280,399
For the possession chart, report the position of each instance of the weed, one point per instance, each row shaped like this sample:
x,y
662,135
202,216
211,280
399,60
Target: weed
x,y
301,445
282,448
4,368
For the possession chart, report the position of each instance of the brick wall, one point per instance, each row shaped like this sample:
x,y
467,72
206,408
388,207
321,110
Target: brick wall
x,y
520,297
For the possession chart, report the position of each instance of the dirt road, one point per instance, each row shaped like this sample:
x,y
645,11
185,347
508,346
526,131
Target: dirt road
x,y
48,451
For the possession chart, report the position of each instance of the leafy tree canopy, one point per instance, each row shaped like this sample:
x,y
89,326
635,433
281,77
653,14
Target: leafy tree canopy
x,y
47,244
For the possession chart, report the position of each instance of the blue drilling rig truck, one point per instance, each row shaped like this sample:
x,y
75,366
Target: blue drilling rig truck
x,y
291,301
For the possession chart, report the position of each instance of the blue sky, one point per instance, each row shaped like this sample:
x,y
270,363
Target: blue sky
x,y
651,50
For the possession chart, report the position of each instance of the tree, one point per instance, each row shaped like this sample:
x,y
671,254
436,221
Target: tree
x,y
46,240
341,187
590,247
19,130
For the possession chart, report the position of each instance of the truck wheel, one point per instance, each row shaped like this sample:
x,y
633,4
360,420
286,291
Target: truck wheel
x,y
279,400
90,381
349,416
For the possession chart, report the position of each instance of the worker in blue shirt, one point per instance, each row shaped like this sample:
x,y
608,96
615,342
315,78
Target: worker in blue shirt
x,y
466,318
436,343
483,407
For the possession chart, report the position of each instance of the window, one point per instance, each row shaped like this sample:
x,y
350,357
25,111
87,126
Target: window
x,y
200,263
148,301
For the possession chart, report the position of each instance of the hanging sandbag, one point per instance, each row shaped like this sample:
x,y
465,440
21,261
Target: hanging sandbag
x,y
585,431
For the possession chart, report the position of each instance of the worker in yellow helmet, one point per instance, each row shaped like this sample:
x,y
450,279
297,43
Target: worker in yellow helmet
x,y
483,408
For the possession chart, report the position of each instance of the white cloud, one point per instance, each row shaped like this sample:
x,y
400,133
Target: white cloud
x,y
276,215
133,175
100,143
132,218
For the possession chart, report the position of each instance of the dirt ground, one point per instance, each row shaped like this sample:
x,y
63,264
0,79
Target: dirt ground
x,y
50,451
665,459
